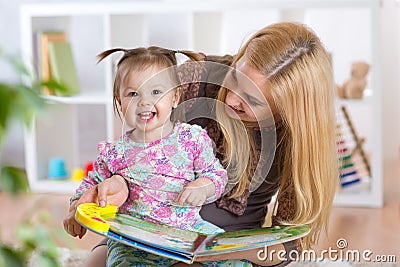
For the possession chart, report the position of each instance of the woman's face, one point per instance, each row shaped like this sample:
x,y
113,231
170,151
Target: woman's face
x,y
248,96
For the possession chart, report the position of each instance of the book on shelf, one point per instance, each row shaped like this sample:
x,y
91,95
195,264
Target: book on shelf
x,y
175,243
41,42
62,65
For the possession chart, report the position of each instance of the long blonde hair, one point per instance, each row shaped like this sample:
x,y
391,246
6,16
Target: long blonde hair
x,y
301,85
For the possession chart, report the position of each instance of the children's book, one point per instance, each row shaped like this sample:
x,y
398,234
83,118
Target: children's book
x,y
175,243
42,40
62,65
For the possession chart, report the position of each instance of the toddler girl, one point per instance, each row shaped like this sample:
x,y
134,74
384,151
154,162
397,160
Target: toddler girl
x,y
169,166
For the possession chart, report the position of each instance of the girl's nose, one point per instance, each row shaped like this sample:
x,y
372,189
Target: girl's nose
x,y
144,101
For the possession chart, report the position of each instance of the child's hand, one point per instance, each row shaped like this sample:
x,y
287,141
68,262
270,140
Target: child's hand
x,y
113,190
196,192
71,226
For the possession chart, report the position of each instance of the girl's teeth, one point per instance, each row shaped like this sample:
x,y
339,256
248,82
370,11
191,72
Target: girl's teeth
x,y
145,115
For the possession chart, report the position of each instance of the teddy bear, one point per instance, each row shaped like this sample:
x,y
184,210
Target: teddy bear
x,y
355,85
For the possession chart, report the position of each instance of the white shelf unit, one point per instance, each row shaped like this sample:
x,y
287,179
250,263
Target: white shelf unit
x,y
74,125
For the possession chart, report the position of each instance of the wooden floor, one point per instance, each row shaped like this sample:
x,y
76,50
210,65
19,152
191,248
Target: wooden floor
x,y
377,230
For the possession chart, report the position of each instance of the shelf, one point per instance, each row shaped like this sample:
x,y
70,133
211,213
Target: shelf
x,y
357,195
209,26
82,98
54,186
365,101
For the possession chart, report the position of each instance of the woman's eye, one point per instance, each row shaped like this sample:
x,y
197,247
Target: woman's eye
x,y
156,92
132,94
252,103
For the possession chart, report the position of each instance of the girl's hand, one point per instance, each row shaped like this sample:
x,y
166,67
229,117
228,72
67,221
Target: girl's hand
x,y
113,191
71,226
196,192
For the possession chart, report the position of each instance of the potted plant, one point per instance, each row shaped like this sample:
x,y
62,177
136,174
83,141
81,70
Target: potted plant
x,y
20,101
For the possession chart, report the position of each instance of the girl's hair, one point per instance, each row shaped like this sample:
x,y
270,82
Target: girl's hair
x,y
301,84
138,59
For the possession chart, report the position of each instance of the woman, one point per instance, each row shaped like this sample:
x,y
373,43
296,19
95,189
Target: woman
x,y
290,66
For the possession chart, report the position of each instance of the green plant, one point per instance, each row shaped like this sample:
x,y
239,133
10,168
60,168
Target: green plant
x,y
20,101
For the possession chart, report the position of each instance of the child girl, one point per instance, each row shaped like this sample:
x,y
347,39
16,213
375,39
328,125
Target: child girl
x,y
169,167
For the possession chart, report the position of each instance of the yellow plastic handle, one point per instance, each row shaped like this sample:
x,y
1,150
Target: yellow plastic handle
x,y
92,216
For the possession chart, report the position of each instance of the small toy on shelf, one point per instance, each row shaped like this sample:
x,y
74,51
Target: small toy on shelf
x,y
354,87
88,167
353,161
57,169
78,174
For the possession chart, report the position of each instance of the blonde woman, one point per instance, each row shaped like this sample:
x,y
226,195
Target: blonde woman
x,y
282,73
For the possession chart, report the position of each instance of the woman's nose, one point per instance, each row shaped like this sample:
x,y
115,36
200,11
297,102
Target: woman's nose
x,y
234,99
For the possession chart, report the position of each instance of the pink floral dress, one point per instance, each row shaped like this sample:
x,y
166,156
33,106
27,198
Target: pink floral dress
x,y
157,173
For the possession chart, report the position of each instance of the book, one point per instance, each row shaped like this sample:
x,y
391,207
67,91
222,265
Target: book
x,y
62,65
42,40
175,243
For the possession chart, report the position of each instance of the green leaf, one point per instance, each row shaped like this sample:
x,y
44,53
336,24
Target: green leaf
x,y
14,180
19,66
60,88
11,258
5,107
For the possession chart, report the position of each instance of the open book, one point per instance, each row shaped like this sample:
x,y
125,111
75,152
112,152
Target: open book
x,y
175,243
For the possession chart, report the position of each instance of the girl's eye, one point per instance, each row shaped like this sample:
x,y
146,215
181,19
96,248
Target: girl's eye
x,y
132,94
156,92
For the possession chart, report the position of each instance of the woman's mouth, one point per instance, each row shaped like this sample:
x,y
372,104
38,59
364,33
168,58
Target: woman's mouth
x,y
233,112
236,110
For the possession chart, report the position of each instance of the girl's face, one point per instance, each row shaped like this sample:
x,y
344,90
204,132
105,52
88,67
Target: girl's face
x,y
147,98
248,97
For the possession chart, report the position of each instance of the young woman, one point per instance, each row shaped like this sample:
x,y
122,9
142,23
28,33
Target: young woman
x,y
290,67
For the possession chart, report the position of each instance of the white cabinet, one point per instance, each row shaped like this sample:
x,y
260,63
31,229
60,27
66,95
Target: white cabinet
x,y
73,126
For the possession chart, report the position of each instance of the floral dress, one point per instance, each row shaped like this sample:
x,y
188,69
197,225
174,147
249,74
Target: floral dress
x,y
157,172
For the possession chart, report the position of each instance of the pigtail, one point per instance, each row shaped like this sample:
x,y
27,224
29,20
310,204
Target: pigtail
x,y
108,52
192,55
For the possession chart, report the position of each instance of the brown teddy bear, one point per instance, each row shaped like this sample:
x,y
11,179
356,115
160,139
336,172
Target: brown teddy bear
x,y
355,85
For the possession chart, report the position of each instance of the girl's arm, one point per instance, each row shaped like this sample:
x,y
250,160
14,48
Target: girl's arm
x,y
208,168
210,176
86,192
97,175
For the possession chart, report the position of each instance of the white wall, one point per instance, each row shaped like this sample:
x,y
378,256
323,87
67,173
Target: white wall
x,y
391,82
12,151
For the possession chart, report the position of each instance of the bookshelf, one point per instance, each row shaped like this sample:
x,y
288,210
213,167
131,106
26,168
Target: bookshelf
x,y
73,126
